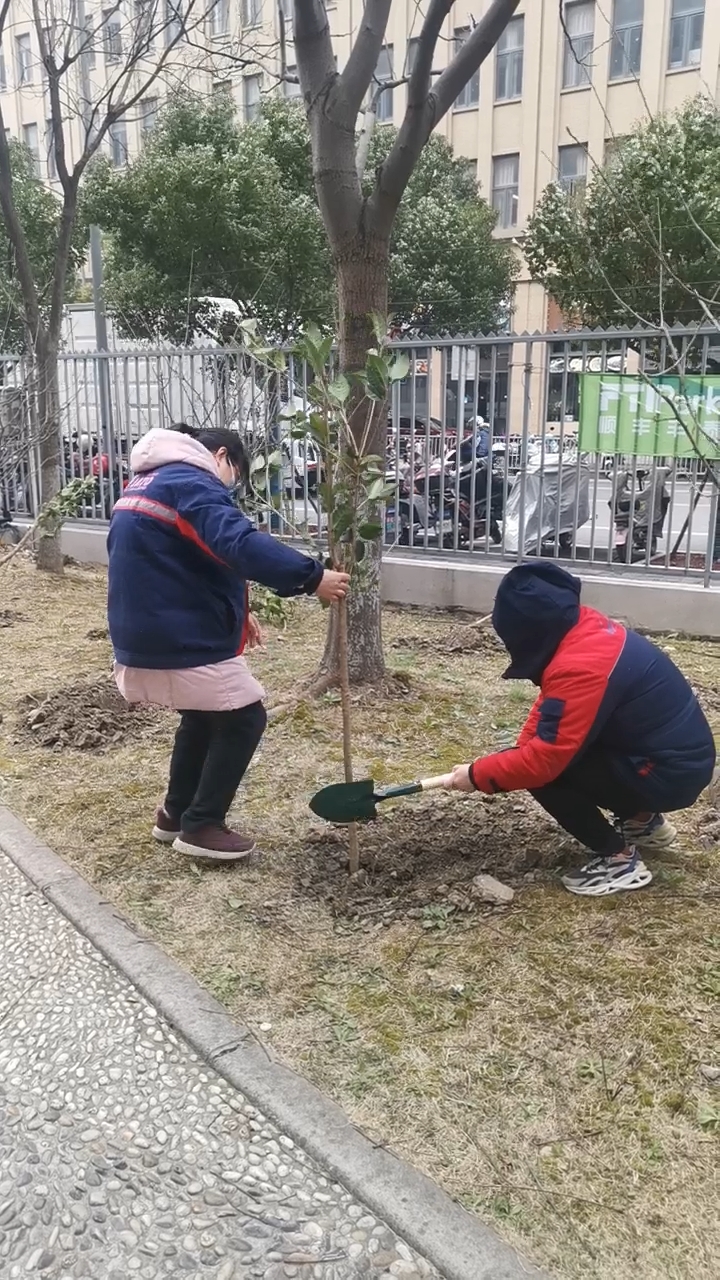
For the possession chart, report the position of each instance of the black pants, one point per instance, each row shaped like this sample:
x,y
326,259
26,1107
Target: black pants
x,y
212,752
577,796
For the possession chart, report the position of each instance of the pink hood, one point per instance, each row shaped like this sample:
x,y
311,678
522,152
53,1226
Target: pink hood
x,y
160,447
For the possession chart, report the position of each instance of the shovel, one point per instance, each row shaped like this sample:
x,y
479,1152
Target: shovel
x,y
355,801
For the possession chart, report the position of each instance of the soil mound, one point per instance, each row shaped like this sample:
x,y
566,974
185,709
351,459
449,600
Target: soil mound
x,y
82,716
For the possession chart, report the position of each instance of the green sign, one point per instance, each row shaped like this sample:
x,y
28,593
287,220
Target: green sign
x,y
663,417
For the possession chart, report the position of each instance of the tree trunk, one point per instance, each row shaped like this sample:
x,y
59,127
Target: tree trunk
x,y
49,552
362,281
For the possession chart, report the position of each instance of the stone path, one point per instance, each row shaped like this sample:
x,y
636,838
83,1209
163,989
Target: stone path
x,y
122,1155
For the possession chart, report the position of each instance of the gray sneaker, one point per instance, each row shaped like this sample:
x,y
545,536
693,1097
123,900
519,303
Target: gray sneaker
x,y
654,836
216,843
602,876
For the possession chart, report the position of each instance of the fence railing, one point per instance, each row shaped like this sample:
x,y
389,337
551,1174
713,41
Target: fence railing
x,y
485,448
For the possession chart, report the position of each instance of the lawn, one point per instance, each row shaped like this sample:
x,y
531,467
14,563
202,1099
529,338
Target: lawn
x,y
553,1064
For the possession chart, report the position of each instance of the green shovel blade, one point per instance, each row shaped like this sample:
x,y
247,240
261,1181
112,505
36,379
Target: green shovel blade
x,y
346,802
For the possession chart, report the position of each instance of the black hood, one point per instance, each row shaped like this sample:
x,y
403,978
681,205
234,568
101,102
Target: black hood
x,y
535,607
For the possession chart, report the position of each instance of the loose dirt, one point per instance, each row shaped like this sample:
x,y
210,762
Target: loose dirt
x,y
419,859
82,717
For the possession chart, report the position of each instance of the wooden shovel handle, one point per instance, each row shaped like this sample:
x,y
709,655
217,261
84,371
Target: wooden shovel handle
x,y
434,784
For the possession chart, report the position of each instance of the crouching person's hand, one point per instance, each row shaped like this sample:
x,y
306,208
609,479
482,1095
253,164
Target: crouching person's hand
x,y
333,586
460,778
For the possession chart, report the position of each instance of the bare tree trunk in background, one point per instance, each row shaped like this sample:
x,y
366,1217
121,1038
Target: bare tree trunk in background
x,y
49,551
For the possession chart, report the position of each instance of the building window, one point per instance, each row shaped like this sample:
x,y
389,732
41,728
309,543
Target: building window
x,y
686,33
579,33
112,35
149,111
252,13
88,48
3,74
572,169
23,57
626,48
411,55
144,17
509,61
291,88
30,140
117,134
219,18
174,21
251,97
50,150
470,94
505,177
384,73
613,147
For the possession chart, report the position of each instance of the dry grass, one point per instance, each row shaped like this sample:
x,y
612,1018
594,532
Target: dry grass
x,y
542,1064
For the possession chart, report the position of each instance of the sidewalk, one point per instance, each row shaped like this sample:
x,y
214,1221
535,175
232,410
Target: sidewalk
x,y
123,1154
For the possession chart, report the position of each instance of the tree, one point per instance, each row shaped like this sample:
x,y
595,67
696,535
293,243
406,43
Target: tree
x,y
214,209
82,110
359,225
208,211
643,245
39,210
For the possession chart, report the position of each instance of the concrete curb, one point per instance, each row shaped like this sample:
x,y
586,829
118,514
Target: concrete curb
x,y
424,1216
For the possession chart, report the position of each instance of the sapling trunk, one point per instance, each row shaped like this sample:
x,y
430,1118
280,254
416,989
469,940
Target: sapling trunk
x,y
344,674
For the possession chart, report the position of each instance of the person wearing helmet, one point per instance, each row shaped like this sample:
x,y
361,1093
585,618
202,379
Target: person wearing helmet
x,y
616,728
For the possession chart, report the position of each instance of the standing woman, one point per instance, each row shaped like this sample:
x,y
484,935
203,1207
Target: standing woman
x,y
180,556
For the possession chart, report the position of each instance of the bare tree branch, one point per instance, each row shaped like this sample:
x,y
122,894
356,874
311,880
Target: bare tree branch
x,y
360,67
427,106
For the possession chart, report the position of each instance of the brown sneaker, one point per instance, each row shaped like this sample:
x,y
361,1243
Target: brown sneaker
x,y
216,842
166,830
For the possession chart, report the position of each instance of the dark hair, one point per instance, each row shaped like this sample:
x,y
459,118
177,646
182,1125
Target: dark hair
x,y
214,438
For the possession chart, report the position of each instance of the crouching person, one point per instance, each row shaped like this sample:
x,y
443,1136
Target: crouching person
x,y
616,728
180,555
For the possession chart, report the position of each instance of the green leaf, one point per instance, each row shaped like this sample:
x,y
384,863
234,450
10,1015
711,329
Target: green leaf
x,y
376,375
379,327
369,530
318,427
257,463
275,459
359,551
339,390
377,489
399,367
342,521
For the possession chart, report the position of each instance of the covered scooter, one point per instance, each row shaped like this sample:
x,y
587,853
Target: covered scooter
x,y
551,505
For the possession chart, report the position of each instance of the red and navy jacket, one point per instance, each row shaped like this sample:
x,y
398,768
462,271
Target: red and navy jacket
x,y
180,554
600,685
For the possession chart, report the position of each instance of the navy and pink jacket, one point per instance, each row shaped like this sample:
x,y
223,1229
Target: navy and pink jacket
x,y
601,686
180,554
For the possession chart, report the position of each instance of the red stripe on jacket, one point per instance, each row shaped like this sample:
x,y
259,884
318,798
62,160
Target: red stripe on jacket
x,y
144,506
574,684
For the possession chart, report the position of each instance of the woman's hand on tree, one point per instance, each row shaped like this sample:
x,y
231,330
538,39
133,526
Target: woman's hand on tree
x,y
333,586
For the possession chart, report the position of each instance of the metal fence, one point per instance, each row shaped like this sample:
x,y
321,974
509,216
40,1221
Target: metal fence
x,y
482,444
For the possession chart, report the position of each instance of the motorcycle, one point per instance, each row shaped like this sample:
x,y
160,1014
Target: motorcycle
x,y
639,508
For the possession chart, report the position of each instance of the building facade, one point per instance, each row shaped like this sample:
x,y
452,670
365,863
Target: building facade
x,y
547,105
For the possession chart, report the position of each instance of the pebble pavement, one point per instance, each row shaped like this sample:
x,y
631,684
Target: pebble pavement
x,y
124,1157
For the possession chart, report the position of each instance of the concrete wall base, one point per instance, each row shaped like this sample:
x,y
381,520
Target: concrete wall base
x,y
435,582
